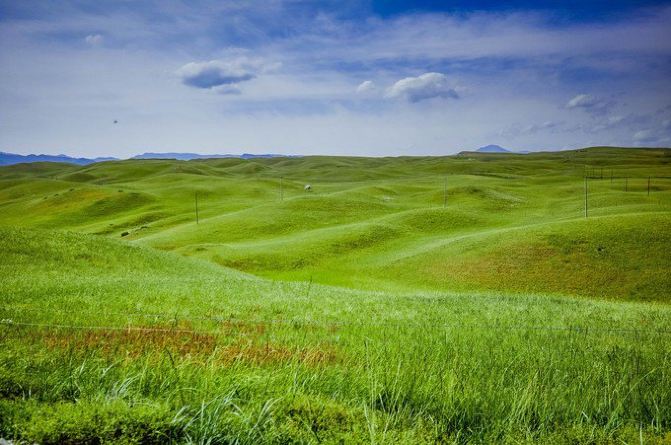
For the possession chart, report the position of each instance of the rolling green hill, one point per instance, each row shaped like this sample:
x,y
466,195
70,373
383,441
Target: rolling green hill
x,y
507,222
106,341
376,308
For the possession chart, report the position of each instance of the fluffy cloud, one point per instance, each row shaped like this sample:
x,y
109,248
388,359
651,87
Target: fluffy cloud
x,y
589,103
645,136
520,130
219,74
226,90
426,86
214,73
651,137
537,63
366,86
94,39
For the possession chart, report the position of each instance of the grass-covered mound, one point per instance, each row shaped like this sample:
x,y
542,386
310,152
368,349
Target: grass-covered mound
x,y
480,305
108,342
470,222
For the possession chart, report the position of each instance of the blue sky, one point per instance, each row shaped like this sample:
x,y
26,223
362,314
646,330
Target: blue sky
x,y
332,77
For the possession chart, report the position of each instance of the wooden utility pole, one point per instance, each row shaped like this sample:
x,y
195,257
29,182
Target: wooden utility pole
x,y
648,185
585,196
445,194
197,222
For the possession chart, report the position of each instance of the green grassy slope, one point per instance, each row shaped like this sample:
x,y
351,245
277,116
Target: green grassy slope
x,y
500,316
512,222
154,347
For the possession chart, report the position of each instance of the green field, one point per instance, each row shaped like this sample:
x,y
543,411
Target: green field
x,y
461,299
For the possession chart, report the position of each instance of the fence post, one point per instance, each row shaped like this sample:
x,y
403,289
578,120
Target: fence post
x,y
197,222
585,196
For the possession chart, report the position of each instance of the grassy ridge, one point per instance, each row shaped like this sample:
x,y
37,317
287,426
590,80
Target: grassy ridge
x,y
381,223
504,316
225,357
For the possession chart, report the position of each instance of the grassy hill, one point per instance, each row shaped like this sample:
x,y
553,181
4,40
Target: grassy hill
x,y
507,222
107,341
498,315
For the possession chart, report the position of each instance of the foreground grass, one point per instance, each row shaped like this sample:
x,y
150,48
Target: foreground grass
x,y
154,348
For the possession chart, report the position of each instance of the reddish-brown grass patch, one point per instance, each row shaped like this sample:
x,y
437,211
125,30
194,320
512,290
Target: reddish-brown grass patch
x,y
215,347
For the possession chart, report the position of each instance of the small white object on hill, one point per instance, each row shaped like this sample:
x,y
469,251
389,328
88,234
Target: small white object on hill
x,y
308,188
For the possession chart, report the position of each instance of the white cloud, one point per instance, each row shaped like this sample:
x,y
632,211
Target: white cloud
x,y
514,62
478,35
226,90
366,86
519,129
644,136
588,102
535,128
426,86
218,73
94,39
651,137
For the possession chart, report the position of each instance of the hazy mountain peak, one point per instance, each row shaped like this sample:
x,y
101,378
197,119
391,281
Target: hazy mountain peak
x,y
493,149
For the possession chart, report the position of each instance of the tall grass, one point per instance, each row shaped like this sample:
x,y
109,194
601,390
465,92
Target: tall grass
x,y
506,317
232,359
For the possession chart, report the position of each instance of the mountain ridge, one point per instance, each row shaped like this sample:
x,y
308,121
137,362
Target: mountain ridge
x,y
493,148
7,158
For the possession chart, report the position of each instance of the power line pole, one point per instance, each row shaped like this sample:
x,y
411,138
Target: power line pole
x,y
585,196
648,185
197,221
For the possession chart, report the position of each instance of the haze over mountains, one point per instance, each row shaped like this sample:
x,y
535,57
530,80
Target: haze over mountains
x,y
12,158
189,156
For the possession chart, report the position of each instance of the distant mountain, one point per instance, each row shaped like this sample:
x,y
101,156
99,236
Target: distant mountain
x,y
189,156
179,156
493,149
12,158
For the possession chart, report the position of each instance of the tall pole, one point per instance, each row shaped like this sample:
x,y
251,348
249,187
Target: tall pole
x,y
648,185
585,196
445,194
197,222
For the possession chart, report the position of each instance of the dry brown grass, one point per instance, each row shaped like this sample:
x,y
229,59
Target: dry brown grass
x,y
236,342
